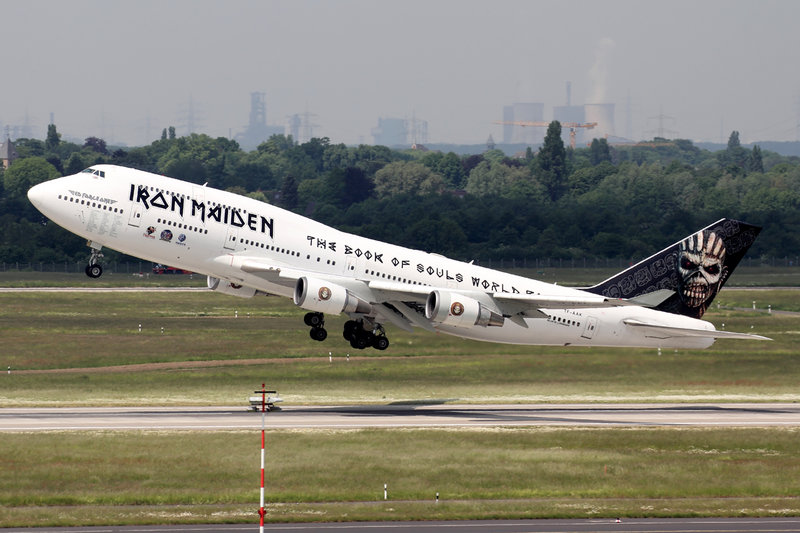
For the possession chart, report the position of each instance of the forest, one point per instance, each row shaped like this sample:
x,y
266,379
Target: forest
x,y
555,203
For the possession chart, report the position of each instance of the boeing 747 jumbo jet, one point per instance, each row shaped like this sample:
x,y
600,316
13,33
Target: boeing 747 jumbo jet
x,y
247,248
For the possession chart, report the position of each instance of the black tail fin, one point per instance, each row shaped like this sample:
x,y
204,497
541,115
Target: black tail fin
x,y
695,269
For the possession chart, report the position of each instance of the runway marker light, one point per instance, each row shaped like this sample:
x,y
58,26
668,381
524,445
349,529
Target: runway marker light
x,y
140,328
437,497
385,492
330,357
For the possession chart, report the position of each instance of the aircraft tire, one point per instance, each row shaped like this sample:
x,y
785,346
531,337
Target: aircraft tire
x,y
359,342
313,319
380,343
318,334
349,329
94,271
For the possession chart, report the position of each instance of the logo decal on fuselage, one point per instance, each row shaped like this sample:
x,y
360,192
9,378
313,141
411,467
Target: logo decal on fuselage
x,y
200,209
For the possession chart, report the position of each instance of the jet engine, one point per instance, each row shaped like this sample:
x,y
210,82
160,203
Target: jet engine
x,y
452,309
326,297
226,287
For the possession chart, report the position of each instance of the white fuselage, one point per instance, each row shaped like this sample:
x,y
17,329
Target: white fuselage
x,y
212,232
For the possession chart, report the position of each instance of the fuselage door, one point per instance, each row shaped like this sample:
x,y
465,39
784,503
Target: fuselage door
x,y
136,215
198,194
352,266
231,238
590,328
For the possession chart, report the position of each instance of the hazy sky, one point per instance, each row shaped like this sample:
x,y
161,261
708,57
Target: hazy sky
x,y
108,68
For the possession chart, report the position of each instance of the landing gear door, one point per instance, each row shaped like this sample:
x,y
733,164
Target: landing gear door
x,y
590,328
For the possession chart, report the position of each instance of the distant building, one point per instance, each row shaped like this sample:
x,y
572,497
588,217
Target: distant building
x,y
390,132
523,112
257,130
603,114
8,153
576,114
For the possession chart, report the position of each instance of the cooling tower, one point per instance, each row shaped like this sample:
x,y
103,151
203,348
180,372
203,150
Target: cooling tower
x,y
572,113
603,114
528,112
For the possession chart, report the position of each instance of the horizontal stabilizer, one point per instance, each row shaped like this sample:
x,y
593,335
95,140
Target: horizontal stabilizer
x,y
661,331
561,302
653,299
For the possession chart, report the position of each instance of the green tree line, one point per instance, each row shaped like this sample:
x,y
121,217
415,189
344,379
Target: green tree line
x,y
593,202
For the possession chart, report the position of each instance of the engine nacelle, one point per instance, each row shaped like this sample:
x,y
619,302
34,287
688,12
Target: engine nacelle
x,y
226,287
452,309
326,297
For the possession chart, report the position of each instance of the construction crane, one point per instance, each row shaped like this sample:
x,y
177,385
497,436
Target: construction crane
x,y
571,125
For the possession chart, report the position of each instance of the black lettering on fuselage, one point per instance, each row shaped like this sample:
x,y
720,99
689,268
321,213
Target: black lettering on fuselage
x,y
142,195
266,224
159,201
199,207
177,201
219,213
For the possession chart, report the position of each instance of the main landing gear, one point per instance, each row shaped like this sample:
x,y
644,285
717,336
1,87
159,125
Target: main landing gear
x,y
360,336
361,333
317,323
94,269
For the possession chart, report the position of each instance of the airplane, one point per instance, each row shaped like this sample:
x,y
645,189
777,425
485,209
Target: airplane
x,y
246,248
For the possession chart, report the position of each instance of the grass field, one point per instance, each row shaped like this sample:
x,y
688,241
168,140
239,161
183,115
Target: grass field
x,y
205,355
64,478
86,349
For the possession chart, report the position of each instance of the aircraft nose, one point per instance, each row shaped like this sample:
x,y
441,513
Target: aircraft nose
x,y
42,196
37,195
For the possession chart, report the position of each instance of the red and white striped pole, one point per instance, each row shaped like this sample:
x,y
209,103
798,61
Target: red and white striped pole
x,y
261,511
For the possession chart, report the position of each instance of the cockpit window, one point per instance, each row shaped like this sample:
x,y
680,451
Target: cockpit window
x,y
96,172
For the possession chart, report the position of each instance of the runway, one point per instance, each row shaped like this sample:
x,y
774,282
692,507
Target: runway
x,y
389,416
652,525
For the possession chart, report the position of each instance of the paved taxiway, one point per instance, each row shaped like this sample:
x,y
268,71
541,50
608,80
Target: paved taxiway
x,y
654,525
441,415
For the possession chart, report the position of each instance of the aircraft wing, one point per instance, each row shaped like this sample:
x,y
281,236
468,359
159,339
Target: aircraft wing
x,y
273,272
661,331
403,304
515,307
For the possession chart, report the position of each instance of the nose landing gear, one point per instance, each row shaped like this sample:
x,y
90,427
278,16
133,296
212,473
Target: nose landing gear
x,y
94,269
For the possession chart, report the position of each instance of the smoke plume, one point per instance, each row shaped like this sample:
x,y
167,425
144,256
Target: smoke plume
x,y
598,74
